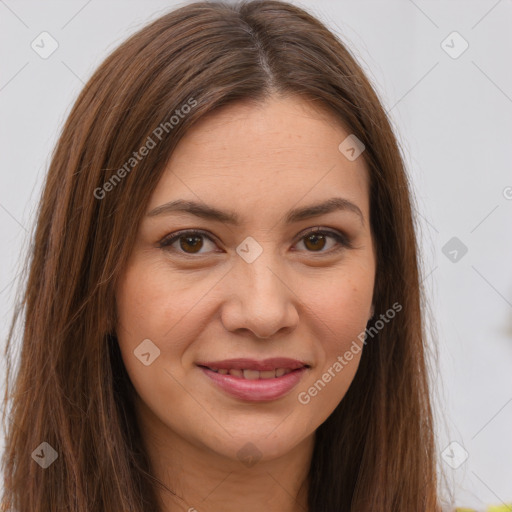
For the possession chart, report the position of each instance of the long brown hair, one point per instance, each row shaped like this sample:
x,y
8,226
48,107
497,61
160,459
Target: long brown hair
x,y
70,389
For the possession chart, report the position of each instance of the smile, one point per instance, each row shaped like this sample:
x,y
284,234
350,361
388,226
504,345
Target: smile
x,y
253,374
256,381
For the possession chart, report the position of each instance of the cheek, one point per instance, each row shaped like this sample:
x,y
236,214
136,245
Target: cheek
x,y
150,300
341,303
168,308
344,315
147,309
340,311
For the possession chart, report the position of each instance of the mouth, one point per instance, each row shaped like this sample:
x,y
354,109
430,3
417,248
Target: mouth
x,y
252,380
252,374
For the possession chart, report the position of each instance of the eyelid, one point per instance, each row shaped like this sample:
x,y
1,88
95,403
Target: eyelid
x,y
172,237
342,240
325,230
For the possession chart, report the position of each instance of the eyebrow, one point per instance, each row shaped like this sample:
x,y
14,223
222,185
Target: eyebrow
x,y
298,214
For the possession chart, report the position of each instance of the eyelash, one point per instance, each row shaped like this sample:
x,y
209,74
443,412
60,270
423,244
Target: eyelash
x,y
341,239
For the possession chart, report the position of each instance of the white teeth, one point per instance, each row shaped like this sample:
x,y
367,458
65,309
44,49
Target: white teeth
x,y
251,374
254,374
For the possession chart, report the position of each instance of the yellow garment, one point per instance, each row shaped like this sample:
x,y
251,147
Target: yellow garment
x,y
490,508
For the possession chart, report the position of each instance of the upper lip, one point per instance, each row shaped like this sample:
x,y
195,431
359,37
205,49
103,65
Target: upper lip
x,y
253,364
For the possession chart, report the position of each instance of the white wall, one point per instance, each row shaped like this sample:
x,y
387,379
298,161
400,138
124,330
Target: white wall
x,y
453,117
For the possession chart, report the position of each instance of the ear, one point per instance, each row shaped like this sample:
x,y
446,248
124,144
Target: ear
x,y
372,312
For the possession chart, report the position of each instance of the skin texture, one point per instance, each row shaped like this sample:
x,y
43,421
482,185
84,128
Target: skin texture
x,y
302,300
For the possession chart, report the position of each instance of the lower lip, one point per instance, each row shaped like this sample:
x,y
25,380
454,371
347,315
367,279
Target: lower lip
x,y
257,390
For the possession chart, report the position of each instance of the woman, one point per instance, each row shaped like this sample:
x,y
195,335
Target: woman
x,y
223,306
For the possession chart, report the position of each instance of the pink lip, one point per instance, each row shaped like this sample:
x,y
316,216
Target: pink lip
x,y
252,364
257,390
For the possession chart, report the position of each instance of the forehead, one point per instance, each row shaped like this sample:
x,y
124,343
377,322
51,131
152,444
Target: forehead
x,y
264,157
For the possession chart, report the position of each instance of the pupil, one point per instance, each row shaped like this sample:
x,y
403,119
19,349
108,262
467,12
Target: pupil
x,y
315,239
188,240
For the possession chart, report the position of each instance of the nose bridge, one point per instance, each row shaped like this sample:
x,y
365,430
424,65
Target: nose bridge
x,y
264,301
259,273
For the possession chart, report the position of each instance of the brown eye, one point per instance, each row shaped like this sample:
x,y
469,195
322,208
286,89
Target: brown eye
x,y
191,242
317,240
187,242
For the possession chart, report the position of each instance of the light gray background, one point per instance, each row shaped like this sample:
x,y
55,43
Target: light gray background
x,y
453,117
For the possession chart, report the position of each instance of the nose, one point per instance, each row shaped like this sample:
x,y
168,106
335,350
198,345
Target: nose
x,y
261,301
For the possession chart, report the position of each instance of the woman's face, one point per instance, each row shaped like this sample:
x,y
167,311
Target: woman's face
x,y
256,295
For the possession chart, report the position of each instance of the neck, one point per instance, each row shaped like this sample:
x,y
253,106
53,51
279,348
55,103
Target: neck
x,y
199,479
